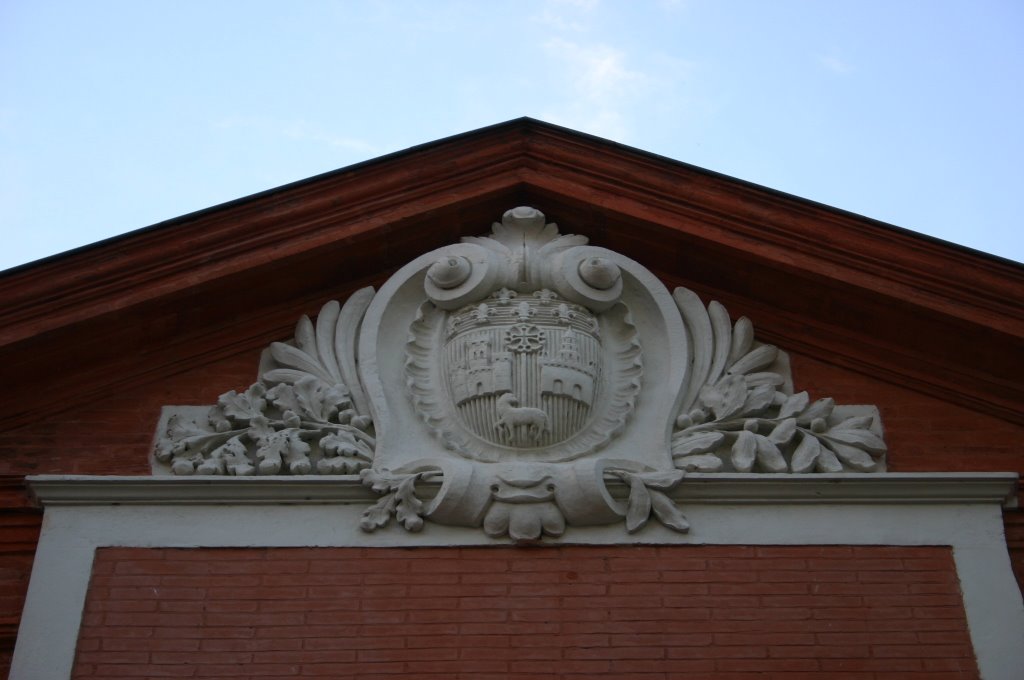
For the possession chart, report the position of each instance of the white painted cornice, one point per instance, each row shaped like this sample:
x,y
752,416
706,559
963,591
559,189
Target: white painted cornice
x,y
913,488
887,488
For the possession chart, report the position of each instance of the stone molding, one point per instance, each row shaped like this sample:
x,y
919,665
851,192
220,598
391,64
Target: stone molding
x,y
901,488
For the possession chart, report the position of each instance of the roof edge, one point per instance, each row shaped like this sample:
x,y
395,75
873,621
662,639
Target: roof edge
x,y
523,122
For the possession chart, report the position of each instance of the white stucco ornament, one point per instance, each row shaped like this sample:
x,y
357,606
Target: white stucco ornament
x,y
508,382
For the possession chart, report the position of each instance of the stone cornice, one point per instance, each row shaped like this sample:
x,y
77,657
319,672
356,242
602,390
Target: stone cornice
x,y
729,489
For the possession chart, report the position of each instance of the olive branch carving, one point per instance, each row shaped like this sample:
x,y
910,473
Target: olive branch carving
x,y
735,414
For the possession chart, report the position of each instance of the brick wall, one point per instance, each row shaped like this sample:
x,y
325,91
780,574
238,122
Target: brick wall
x,y
713,612
113,435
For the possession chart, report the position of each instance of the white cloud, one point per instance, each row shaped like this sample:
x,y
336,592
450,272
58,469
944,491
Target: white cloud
x,y
835,64
601,88
566,15
598,72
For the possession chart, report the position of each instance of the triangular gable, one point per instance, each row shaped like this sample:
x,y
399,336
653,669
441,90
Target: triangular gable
x,y
522,382
869,296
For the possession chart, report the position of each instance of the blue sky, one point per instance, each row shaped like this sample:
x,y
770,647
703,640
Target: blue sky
x,y
118,115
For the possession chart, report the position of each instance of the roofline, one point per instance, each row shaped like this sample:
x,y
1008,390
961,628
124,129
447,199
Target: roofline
x,y
524,122
202,212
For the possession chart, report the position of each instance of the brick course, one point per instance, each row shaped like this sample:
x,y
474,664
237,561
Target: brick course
x,y
718,612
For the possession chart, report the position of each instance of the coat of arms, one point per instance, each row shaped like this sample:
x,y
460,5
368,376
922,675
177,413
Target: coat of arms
x,y
520,370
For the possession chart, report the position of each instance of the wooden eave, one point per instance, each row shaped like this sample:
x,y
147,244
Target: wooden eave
x,y
907,308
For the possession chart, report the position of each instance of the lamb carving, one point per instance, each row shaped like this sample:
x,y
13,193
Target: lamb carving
x,y
511,416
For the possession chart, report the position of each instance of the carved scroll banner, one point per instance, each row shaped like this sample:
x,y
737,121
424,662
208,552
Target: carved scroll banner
x,y
516,375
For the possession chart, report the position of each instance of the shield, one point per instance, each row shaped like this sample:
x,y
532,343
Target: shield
x,y
523,375
523,372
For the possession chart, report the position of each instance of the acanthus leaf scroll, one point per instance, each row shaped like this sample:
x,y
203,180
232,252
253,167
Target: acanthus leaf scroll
x,y
538,373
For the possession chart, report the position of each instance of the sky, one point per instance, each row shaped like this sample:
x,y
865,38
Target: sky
x,y
118,115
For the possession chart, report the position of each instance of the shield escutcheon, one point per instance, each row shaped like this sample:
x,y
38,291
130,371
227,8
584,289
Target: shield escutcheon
x,y
524,375
523,371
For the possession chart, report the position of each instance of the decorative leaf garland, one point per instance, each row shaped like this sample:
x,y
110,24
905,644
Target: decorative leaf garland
x,y
399,500
741,420
307,415
647,495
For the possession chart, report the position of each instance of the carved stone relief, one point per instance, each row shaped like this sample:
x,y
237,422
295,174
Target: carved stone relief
x,y
307,414
520,373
